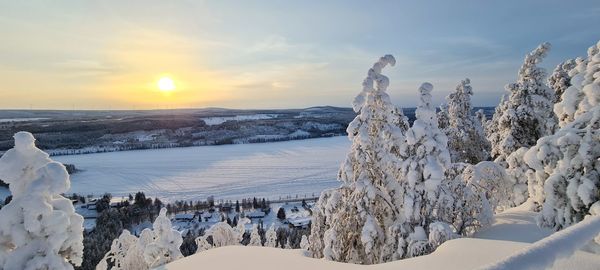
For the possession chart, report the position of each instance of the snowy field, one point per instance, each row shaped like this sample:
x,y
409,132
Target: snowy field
x,y
211,121
266,170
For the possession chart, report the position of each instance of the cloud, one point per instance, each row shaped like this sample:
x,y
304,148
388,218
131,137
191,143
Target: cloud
x,y
86,67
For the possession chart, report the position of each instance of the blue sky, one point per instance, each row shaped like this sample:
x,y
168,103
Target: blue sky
x,y
272,54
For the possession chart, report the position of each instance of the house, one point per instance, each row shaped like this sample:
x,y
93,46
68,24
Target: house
x,y
301,223
91,206
255,214
205,216
183,217
225,208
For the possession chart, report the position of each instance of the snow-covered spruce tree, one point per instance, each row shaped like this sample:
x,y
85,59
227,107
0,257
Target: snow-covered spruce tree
x,y
255,237
567,163
573,101
329,204
39,228
560,79
271,237
355,220
526,114
480,116
155,247
165,247
427,159
518,173
125,254
222,234
468,199
443,118
466,138
304,243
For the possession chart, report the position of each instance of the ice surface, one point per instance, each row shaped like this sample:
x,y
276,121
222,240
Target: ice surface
x,y
226,171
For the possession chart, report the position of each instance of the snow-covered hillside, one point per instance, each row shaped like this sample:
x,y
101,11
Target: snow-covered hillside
x,y
227,171
513,230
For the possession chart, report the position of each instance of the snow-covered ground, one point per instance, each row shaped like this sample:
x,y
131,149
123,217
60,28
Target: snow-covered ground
x,y
5,120
211,121
512,231
266,170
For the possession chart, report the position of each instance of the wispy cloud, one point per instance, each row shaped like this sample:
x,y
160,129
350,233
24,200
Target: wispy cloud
x,y
86,67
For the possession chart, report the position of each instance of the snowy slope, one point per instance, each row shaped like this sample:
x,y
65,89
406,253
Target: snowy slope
x,y
226,171
512,231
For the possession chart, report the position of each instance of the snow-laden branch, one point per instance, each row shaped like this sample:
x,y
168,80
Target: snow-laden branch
x,y
542,254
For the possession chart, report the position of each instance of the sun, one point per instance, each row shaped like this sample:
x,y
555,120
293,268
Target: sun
x,y
166,84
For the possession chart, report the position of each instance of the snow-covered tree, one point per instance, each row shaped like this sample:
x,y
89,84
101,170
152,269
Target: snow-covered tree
x,y
518,173
165,247
440,232
560,79
304,243
567,163
327,207
367,204
255,237
222,234
480,115
271,237
443,118
469,197
574,101
155,247
466,137
422,173
39,228
288,244
526,114
124,254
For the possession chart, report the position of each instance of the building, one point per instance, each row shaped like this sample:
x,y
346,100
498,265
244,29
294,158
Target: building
x,y
255,214
183,217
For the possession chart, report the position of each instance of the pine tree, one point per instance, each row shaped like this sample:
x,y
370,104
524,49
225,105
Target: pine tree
x,y
422,173
367,203
560,79
124,254
39,228
165,247
271,237
222,235
526,114
466,138
255,237
567,163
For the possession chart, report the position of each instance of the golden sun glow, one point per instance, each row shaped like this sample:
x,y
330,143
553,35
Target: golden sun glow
x,y
166,84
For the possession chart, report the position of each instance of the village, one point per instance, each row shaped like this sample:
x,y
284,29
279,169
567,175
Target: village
x,y
290,212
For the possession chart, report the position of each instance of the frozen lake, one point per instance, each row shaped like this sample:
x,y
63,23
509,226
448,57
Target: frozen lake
x,y
227,171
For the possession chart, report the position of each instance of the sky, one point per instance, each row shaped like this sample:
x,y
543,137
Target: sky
x,y
272,54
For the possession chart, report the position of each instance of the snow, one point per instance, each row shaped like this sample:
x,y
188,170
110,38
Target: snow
x,y
8,120
212,121
227,171
39,228
512,231
542,254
